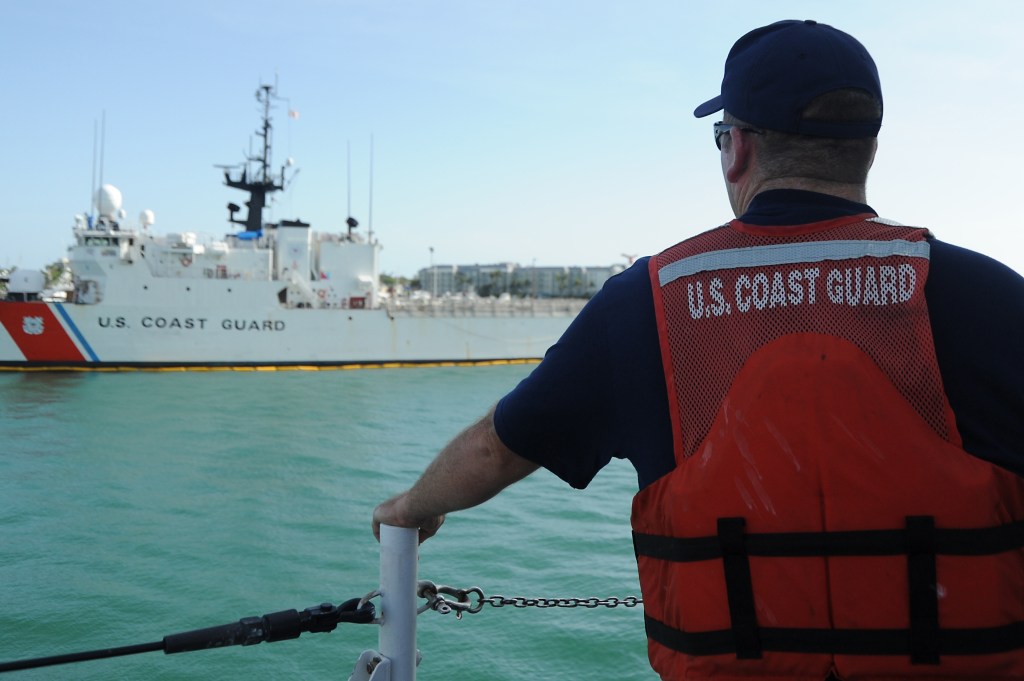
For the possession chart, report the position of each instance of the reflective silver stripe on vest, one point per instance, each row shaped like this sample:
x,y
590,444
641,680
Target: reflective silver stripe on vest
x,y
790,254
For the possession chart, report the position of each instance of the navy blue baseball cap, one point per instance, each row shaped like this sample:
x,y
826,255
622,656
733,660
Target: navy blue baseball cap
x,y
773,73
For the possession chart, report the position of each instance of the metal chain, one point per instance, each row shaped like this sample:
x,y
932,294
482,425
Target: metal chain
x,y
592,602
435,596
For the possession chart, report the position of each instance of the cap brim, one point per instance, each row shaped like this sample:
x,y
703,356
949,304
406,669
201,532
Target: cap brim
x,y
709,107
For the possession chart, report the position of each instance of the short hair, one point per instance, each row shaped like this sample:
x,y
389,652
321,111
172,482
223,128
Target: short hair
x,y
831,159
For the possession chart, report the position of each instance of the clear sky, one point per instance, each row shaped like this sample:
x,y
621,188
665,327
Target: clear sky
x,y
554,132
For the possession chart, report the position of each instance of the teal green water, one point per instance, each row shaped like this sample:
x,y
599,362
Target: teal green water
x,y
133,506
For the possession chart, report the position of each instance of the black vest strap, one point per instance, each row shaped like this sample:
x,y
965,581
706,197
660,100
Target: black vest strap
x,y
981,641
950,542
922,587
739,588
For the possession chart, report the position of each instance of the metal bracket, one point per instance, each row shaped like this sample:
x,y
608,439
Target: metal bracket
x,y
372,666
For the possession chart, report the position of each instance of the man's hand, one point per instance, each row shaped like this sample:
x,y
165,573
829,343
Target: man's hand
x,y
391,513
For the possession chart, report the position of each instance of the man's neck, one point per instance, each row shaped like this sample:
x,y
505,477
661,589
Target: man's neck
x,y
850,192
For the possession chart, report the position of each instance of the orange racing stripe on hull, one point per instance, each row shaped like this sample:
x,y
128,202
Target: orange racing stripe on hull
x,y
38,333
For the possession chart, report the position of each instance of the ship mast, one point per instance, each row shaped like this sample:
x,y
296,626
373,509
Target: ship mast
x,y
264,182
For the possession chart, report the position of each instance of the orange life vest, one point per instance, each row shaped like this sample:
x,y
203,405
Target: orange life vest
x,y
823,516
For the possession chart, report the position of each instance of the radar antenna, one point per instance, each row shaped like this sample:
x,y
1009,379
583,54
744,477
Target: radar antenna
x,y
262,182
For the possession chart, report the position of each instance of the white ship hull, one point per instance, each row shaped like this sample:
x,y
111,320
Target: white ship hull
x,y
73,336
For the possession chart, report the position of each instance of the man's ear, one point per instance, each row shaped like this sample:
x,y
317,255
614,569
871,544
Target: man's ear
x,y
740,154
874,150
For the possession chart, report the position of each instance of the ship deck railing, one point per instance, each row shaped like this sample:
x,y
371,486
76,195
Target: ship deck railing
x,y
486,307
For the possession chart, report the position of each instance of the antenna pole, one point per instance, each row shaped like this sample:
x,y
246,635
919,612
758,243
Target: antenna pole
x,y
92,191
348,174
103,148
265,161
370,216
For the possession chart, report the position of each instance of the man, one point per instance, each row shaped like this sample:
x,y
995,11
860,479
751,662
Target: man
x,y
825,408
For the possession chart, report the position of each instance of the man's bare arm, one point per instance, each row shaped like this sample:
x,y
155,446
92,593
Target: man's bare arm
x,y
471,469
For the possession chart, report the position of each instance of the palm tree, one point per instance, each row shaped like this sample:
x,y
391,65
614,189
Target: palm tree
x,y
562,279
56,271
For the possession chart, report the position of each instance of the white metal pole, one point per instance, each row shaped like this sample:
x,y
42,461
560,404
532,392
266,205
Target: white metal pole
x,y
398,548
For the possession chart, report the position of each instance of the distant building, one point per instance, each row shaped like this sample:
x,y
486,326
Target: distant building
x,y
517,281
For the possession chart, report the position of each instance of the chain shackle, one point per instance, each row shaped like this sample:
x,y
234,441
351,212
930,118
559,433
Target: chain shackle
x,y
435,595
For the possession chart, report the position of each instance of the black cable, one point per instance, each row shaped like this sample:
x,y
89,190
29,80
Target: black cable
x,y
276,626
81,657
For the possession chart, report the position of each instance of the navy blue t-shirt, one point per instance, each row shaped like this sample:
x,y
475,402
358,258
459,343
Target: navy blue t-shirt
x,y
600,390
